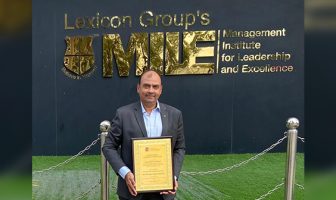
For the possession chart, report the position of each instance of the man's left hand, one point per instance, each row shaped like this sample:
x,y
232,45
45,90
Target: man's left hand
x,y
171,191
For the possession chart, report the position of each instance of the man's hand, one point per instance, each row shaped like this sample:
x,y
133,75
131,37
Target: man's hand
x,y
129,178
171,191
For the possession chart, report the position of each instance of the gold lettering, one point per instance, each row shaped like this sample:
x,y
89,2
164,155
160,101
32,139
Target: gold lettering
x,y
66,27
172,54
188,22
156,52
125,18
97,20
146,21
181,20
205,19
190,53
103,20
245,69
164,20
230,70
157,17
93,22
117,19
90,22
80,22
112,47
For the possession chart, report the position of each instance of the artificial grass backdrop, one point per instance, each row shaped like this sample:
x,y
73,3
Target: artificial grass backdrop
x,y
249,181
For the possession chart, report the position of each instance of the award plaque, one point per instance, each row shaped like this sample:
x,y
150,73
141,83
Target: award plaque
x,y
153,164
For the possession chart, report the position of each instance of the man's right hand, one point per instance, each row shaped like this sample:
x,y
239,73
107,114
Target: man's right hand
x,y
129,178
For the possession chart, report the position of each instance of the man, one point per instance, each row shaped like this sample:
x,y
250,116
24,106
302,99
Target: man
x,y
147,118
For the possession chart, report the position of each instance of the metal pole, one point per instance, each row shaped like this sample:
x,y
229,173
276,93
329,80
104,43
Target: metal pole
x,y
104,172
292,124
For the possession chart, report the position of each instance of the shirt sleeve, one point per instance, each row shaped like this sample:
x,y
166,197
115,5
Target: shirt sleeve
x,y
123,171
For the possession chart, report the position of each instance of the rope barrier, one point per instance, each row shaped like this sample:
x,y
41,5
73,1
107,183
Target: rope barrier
x,y
300,186
302,139
236,165
82,195
270,192
68,160
89,190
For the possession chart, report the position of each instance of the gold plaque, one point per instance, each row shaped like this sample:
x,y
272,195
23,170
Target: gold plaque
x,y
153,164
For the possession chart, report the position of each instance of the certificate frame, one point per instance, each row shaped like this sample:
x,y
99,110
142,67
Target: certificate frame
x,y
153,164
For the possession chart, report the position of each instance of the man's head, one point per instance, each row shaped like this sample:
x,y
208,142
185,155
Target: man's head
x,y
149,87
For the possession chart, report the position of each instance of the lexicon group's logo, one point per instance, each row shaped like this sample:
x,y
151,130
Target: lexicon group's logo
x,y
79,59
183,52
163,52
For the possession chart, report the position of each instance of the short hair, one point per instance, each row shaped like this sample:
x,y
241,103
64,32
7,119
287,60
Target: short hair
x,y
149,70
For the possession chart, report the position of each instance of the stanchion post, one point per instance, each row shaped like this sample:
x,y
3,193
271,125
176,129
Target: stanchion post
x,y
292,125
104,128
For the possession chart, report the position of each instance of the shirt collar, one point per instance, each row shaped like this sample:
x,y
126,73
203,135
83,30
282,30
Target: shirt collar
x,y
156,108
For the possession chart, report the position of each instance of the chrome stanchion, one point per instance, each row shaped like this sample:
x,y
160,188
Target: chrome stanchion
x,y
292,124
104,128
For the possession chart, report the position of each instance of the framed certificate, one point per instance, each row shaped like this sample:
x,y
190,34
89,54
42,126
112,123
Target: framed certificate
x,y
153,164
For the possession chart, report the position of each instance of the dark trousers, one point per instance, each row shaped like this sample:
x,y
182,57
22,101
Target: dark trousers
x,y
148,196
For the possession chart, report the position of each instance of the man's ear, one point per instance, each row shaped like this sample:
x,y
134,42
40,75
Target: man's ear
x,y
138,87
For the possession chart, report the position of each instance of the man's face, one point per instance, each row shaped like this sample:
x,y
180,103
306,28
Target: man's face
x,y
150,88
